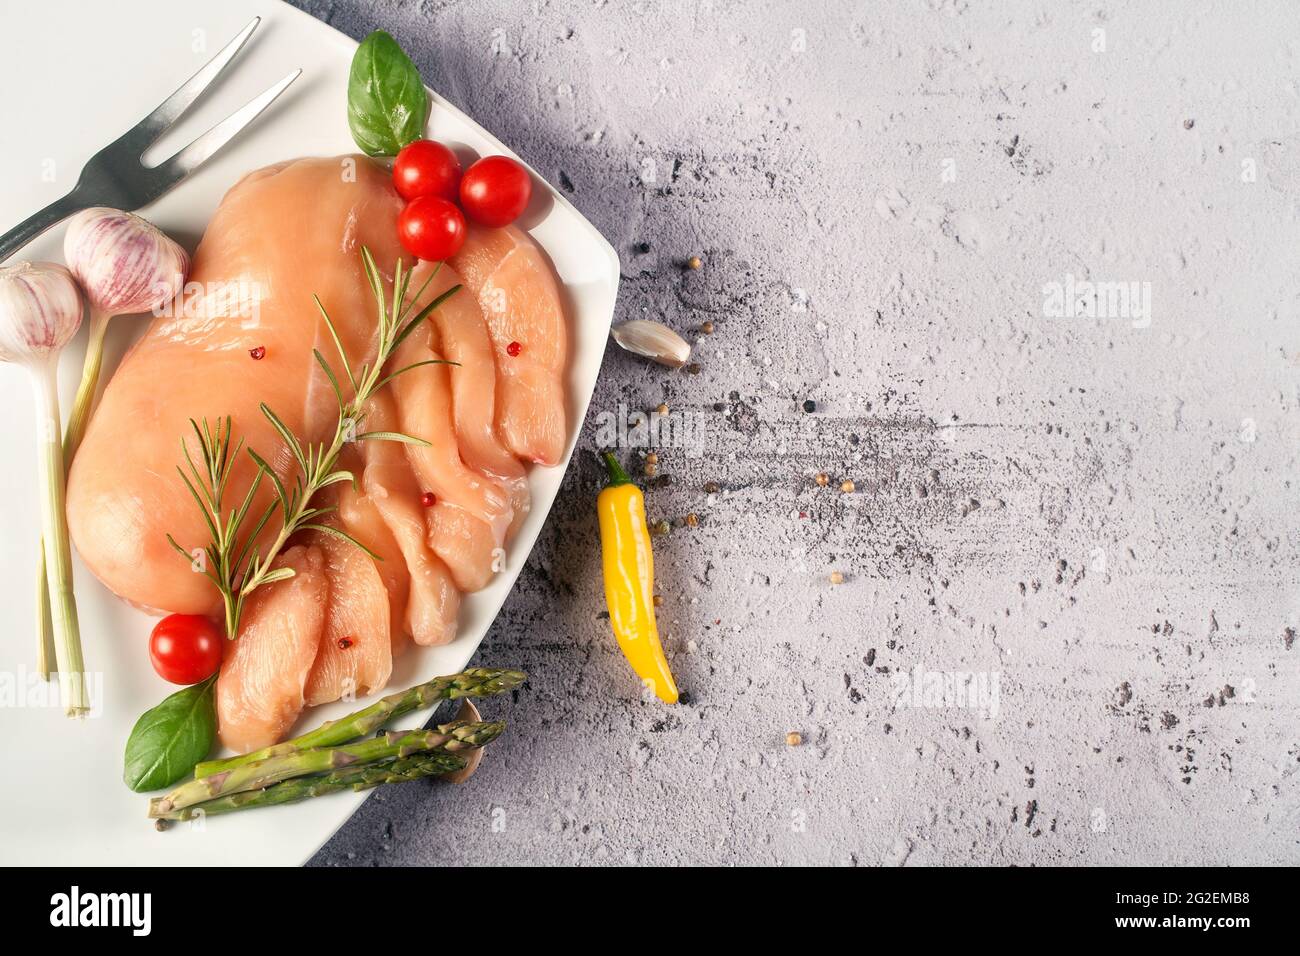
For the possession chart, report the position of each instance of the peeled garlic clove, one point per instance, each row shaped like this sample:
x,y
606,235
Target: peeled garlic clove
x,y
473,756
125,264
40,310
654,341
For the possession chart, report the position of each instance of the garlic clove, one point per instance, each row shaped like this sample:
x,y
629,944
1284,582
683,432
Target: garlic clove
x,y
124,263
40,310
654,341
473,756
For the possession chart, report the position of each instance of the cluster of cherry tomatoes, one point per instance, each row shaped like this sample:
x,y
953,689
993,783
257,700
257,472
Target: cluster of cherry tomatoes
x,y
492,192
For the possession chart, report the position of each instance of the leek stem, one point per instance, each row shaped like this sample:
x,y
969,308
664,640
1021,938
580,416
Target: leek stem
x,y
44,622
85,399
77,422
54,522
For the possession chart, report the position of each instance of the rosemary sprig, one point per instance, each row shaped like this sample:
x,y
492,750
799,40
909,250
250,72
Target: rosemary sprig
x,y
208,486
239,570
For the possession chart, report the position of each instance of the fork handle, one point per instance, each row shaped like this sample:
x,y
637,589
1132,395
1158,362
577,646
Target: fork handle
x,y
34,225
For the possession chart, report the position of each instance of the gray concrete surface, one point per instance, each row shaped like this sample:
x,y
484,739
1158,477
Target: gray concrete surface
x,y
1096,517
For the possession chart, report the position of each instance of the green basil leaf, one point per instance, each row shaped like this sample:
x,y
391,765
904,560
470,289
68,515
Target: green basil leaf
x,y
387,102
170,739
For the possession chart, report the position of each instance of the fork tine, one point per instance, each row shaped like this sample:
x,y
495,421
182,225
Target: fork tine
x,y
145,132
192,156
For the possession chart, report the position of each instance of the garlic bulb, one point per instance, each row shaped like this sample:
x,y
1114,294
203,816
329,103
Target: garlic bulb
x,y
40,311
126,264
653,340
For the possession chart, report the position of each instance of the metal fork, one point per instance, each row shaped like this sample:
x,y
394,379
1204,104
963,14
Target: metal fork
x,y
115,176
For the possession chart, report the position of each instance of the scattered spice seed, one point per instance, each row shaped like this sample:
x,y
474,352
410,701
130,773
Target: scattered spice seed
x,y
693,368
810,406
822,479
651,468
846,486
513,349
711,488
258,353
660,528
707,328
837,577
692,519
428,499
658,600
694,263
794,738
652,458
345,643
719,407
662,409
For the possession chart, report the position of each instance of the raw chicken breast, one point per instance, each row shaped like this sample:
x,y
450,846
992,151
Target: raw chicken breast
x,y
363,520
465,546
469,520
433,602
438,517
355,655
260,692
517,293
280,235
463,338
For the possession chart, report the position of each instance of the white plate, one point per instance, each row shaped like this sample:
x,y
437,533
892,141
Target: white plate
x,y
80,74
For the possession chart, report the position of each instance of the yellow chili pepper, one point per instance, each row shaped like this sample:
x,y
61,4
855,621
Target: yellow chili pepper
x,y
630,579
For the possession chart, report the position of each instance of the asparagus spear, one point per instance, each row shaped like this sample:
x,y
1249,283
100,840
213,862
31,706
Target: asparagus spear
x,y
474,682
417,767
457,735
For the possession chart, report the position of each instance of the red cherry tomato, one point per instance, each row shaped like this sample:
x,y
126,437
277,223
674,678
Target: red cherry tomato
x,y
431,228
426,168
185,648
495,190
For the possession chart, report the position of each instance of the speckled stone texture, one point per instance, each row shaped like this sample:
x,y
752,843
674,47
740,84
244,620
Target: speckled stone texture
x,y
1095,517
